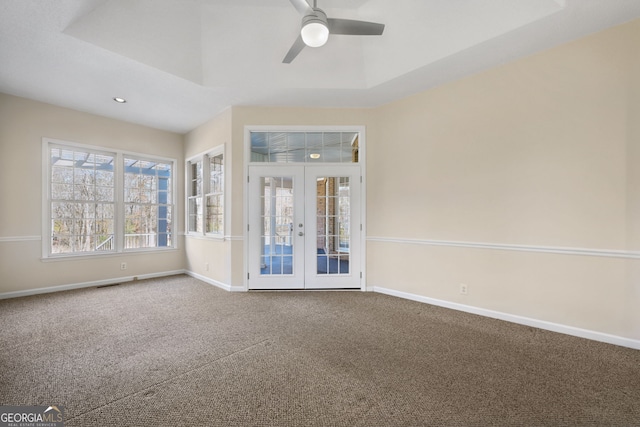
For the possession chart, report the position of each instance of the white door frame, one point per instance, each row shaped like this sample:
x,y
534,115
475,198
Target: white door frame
x,y
363,192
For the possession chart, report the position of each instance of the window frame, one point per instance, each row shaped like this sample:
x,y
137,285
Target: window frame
x,y
204,192
193,192
118,202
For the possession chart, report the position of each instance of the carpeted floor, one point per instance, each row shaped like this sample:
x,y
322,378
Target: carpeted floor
x,y
178,352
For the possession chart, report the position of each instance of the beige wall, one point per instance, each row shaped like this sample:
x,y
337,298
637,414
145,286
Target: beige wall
x,y
633,181
200,251
541,152
23,124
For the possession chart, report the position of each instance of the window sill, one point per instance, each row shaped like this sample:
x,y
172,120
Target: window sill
x,y
88,256
200,236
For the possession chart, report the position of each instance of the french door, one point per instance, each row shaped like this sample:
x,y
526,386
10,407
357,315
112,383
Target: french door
x,y
304,227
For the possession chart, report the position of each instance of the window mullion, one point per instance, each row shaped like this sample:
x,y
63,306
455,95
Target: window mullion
x,y
187,208
119,202
46,199
205,190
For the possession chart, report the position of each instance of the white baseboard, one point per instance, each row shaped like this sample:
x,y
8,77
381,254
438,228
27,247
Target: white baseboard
x,y
104,282
210,281
541,324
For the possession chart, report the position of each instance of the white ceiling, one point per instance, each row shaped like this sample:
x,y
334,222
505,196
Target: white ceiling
x,y
181,62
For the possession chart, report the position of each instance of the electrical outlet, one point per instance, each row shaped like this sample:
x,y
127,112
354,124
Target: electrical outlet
x,y
123,266
206,266
463,289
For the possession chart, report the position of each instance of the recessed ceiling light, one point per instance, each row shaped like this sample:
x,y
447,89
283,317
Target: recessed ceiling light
x,y
314,155
119,100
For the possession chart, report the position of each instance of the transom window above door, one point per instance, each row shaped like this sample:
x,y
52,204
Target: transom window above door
x,y
304,147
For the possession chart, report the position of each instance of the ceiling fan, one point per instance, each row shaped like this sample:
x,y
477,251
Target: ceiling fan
x,y
316,28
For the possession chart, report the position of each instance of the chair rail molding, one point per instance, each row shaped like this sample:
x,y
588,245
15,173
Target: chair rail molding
x,y
20,238
611,253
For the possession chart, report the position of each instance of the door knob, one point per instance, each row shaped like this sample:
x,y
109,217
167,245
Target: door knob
x,y
300,233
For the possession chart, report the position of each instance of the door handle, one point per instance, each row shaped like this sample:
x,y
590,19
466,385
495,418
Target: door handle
x,y
300,233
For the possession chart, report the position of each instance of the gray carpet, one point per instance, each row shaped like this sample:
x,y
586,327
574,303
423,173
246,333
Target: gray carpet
x,y
176,351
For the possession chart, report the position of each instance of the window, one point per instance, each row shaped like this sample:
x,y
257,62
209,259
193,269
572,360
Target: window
x,y
304,147
82,201
101,201
205,193
147,203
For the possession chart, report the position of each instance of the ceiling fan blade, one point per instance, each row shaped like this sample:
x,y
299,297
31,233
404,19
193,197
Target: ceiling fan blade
x,y
354,28
301,6
297,47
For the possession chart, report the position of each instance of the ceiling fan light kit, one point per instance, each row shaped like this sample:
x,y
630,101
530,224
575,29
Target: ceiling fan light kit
x,y
316,28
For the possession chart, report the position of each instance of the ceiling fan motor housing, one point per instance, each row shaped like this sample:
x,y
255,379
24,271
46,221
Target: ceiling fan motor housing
x,y
316,15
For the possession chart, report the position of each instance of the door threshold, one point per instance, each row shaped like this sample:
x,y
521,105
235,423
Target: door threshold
x,y
308,290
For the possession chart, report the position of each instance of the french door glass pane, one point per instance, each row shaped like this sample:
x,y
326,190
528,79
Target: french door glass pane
x,y
333,224
276,238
